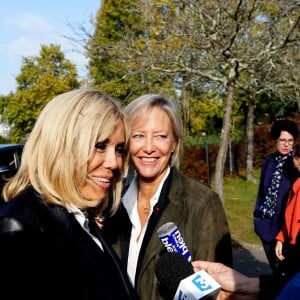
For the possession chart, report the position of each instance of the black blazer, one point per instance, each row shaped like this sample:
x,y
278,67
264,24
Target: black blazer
x,y
46,254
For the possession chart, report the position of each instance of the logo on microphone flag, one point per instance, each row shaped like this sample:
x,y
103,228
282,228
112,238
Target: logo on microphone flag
x,y
197,286
172,239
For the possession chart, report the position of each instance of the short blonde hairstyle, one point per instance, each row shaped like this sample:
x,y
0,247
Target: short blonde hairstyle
x,y
56,154
143,104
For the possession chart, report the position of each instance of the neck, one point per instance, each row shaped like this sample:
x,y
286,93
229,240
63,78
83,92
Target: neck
x,y
144,208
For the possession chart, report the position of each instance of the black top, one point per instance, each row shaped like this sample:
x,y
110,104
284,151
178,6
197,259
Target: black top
x,y
45,253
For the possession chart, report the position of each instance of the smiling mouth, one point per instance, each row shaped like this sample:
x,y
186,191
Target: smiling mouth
x,y
100,179
150,159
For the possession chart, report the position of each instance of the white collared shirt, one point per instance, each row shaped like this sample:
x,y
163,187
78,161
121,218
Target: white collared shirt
x,y
137,233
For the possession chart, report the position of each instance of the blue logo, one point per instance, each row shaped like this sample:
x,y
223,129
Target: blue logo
x,y
181,295
201,283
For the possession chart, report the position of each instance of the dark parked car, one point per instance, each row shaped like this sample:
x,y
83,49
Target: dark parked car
x,y
10,158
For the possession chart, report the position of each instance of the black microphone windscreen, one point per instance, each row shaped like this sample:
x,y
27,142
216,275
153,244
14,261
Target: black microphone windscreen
x,y
170,269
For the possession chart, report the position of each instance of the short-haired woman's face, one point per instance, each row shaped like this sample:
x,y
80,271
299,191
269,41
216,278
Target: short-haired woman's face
x,y
152,144
285,143
106,162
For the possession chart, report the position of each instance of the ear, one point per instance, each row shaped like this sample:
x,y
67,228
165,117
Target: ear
x,y
174,147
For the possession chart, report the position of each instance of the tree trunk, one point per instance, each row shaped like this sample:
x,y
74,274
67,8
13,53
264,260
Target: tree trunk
x,y
223,149
298,99
250,137
185,111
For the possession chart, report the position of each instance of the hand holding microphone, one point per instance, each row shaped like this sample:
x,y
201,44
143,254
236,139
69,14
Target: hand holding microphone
x,y
175,273
178,280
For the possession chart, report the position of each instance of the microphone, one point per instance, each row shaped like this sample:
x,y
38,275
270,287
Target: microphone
x,y
172,239
178,281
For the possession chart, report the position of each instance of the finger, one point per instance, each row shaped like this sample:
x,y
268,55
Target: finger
x,y
199,264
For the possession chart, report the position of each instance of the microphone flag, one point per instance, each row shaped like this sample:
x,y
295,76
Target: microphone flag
x,y
200,285
172,239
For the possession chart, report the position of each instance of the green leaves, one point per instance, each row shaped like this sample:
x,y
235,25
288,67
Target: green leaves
x,y
41,78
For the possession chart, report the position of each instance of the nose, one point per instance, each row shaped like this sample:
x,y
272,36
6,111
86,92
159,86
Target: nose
x,y
149,145
110,160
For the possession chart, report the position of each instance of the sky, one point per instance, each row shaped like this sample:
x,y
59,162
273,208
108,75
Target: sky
x,y
26,24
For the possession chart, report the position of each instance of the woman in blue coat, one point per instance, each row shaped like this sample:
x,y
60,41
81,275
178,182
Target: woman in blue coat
x,y
277,176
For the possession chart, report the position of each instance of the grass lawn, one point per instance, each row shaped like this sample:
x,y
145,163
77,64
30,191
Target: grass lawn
x,y
239,201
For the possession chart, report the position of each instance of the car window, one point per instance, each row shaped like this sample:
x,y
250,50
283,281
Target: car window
x,y
10,158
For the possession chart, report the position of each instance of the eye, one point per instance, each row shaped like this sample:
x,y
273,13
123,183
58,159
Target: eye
x,y
101,146
161,136
284,141
120,150
137,136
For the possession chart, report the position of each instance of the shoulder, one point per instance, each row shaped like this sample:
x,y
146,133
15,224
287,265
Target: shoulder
x,y
19,205
296,186
270,159
17,214
191,189
179,178
269,164
29,211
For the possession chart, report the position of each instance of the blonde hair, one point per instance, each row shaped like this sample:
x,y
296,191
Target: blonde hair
x,y
141,107
56,154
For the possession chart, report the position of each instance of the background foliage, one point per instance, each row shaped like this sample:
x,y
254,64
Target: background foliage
x,y
200,153
41,78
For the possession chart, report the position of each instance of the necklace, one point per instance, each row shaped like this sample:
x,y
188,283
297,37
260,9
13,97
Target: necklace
x,y
146,208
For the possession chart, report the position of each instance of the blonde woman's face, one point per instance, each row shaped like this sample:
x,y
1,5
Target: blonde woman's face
x,y
152,144
106,161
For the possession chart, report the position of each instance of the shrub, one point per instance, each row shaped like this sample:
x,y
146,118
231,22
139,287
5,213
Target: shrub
x,y
200,154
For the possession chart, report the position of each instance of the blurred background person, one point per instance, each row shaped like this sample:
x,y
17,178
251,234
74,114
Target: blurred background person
x,y
287,247
277,176
50,245
158,194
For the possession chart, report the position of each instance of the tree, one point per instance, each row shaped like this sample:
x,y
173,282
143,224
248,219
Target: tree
x,y
41,78
197,44
206,113
222,42
118,23
272,72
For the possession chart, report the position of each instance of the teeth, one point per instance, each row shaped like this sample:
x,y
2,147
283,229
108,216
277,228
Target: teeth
x,y
101,179
148,159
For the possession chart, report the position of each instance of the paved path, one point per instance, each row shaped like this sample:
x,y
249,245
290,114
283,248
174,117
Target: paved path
x,y
250,259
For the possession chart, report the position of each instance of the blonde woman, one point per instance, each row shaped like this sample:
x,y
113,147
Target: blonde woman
x,y
50,245
159,194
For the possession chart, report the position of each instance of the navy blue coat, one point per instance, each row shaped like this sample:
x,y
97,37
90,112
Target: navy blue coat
x,y
46,254
267,228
